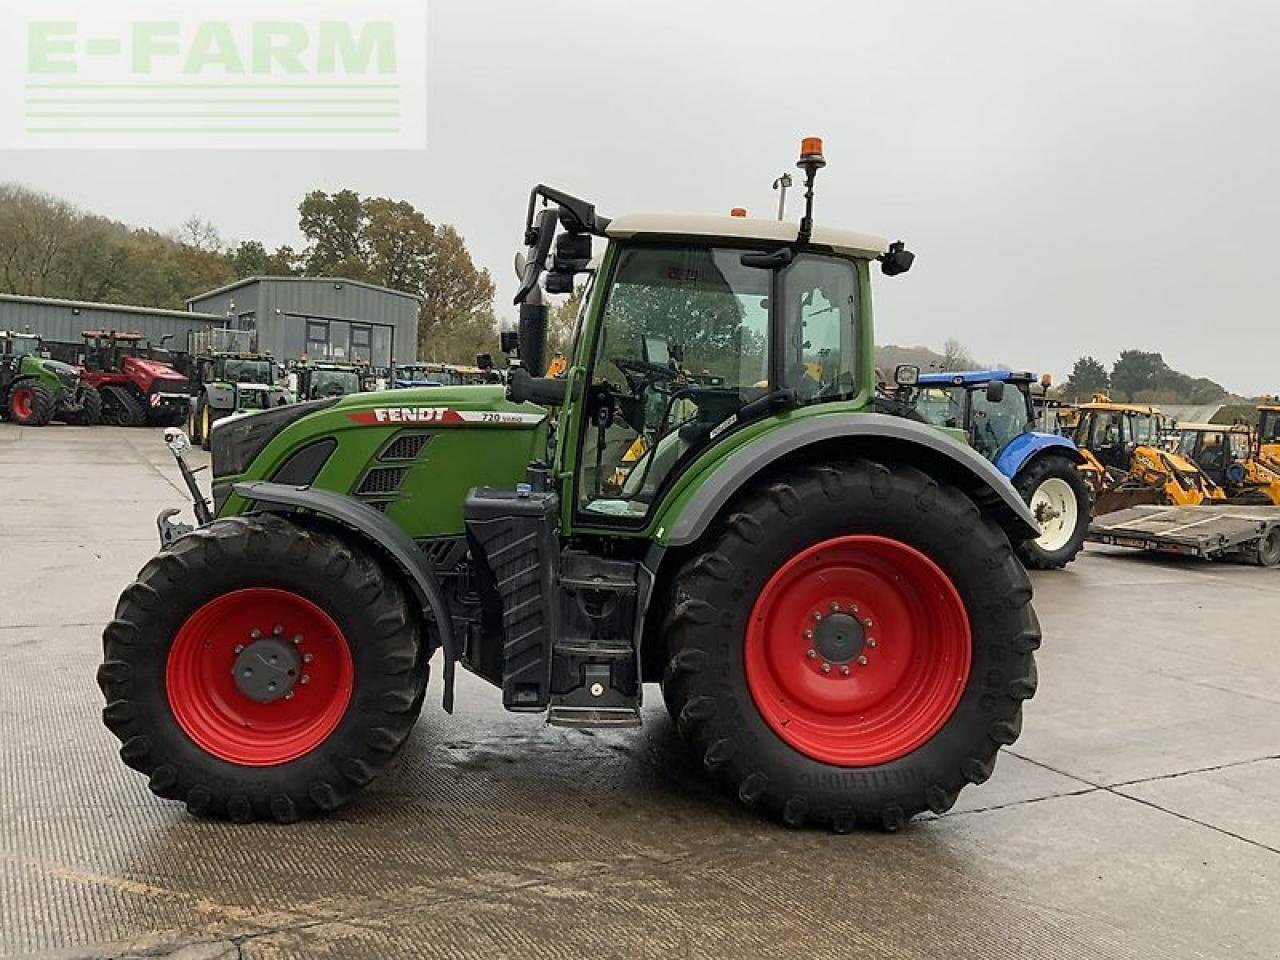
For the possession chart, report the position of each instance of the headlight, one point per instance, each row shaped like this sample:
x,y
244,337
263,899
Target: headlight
x,y
236,442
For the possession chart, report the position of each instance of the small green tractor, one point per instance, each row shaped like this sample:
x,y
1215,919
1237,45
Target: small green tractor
x,y
706,500
230,377
35,390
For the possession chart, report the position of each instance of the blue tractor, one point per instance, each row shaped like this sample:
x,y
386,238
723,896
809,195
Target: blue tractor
x,y
994,408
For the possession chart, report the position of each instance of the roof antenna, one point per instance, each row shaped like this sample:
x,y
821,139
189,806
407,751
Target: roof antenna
x,y
811,161
782,183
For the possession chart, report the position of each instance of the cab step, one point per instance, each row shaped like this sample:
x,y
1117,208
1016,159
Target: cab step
x,y
593,717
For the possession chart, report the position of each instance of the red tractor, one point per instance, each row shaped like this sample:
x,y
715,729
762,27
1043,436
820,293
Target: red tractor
x,y
137,389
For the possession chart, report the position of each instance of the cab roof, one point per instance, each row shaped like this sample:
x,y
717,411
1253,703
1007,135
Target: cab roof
x,y
969,378
846,242
1213,427
1139,408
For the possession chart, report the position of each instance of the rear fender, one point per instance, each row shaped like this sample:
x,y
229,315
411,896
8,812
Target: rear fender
x,y
381,537
855,434
1015,457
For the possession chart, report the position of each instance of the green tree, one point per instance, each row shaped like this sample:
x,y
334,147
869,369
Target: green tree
x,y
1088,377
251,259
1136,372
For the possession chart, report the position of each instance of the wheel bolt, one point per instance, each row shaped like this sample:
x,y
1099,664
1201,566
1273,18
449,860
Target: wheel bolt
x,y
835,607
811,653
817,615
844,670
277,630
305,679
867,622
297,640
826,668
862,661
289,695
239,648
307,658
808,634
871,641
255,634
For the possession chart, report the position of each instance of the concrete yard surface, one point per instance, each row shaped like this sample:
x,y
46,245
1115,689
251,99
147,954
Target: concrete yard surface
x,y
1138,816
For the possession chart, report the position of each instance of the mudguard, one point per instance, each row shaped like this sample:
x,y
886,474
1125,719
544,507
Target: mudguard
x,y
383,536
877,435
1022,450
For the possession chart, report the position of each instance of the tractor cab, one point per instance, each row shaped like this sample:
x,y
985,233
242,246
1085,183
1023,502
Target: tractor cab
x,y
324,380
993,408
17,345
1230,456
1269,432
1113,432
105,350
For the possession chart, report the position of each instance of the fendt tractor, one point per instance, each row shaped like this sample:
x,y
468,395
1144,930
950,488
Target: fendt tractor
x,y
828,597
231,377
995,410
35,390
137,389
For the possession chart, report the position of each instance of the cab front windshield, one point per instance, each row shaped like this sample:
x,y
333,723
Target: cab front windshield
x,y
333,383
685,345
25,346
1269,426
237,370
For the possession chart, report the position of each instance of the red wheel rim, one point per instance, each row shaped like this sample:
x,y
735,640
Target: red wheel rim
x,y
858,650
22,402
213,709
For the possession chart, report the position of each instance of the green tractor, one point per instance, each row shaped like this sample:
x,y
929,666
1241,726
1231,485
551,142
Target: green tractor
x,y
230,378
35,390
706,500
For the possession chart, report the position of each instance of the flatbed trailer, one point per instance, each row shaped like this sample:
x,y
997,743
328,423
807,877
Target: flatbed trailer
x,y
1249,534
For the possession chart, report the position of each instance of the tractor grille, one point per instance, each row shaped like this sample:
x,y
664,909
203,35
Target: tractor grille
x,y
170,385
381,481
407,446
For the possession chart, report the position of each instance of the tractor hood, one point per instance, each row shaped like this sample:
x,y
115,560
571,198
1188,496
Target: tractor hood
x,y
459,406
152,369
68,375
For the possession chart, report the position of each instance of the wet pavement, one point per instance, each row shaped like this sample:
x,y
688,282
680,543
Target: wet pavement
x,y
1138,816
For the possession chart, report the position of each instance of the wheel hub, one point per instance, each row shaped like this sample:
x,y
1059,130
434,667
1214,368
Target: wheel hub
x,y
839,638
267,670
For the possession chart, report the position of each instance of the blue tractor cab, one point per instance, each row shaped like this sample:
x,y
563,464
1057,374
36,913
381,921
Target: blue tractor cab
x,y
995,410
409,375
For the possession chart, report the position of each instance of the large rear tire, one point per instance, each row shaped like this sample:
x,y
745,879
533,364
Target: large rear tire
x,y
260,670
89,411
31,403
1057,494
851,646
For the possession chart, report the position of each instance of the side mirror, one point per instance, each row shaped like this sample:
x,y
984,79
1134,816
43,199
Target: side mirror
x,y
533,335
897,260
539,248
995,392
906,375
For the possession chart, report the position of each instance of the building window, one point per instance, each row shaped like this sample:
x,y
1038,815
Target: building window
x,y
317,339
361,344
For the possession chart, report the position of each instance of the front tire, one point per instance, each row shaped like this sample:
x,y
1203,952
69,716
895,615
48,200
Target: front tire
x,y
303,610
1057,494
852,646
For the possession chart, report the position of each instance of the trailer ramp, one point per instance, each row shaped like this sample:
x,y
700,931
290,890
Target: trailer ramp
x,y
1246,533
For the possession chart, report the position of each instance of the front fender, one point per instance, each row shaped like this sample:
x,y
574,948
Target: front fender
x,y
867,434
1023,449
377,533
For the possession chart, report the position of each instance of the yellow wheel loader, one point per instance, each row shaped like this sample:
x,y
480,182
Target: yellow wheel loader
x,y
1126,464
1231,457
1269,434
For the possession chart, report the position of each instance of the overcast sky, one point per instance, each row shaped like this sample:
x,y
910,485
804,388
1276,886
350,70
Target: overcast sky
x,y
1075,177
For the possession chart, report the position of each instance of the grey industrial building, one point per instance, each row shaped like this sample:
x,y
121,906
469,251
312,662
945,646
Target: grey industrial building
x,y
63,321
322,318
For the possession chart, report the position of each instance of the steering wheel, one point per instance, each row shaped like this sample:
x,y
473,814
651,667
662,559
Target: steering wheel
x,y
642,373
